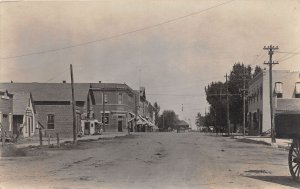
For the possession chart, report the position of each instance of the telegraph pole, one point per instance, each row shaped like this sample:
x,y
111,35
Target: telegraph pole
x,y
270,63
103,109
227,99
244,102
73,107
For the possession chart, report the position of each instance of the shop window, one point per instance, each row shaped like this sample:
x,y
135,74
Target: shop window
x,y
50,122
278,89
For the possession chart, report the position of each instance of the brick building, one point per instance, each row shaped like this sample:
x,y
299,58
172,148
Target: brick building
x,y
114,104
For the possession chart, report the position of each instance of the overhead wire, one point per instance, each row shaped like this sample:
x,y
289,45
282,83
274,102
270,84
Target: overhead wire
x,y
116,35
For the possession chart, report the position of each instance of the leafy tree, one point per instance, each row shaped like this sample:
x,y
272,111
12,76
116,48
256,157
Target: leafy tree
x,y
215,96
217,113
199,120
156,112
167,120
235,85
257,70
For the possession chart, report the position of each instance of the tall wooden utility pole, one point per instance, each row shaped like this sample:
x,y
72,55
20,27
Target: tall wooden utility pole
x,y
227,99
244,90
103,111
270,63
73,107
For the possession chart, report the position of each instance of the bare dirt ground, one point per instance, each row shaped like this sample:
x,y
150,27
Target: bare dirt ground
x,y
150,160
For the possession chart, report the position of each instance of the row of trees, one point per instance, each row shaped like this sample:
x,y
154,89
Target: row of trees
x,y
216,97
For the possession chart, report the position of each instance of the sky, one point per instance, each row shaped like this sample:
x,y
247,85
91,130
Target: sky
x,y
176,49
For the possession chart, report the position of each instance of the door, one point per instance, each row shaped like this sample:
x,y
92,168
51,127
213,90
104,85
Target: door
x,y
86,128
120,126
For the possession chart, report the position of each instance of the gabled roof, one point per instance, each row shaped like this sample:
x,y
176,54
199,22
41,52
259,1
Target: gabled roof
x,y
58,91
109,86
49,91
20,103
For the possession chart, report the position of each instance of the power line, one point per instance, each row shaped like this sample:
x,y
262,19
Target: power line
x,y
284,57
165,94
117,35
288,52
61,73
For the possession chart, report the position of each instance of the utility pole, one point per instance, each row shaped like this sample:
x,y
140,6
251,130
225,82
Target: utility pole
x,y
244,90
73,107
163,120
270,63
227,99
103,111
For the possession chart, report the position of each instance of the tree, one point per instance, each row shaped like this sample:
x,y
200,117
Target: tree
x,y
257,70
217,112
167,120
156,112
215,96
199,120
235,84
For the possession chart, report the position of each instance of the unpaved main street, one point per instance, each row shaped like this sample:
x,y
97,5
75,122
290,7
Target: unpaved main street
x,y
151,160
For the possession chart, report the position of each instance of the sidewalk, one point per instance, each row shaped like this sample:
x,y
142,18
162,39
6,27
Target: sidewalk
x,y
280,143
34,141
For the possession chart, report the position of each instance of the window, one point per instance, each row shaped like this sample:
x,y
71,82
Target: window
x,y
278,89
50,122
30,124
120,98
297,90
105,98
10,119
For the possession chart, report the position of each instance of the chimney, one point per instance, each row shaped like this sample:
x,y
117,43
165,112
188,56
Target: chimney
x,y
99,81
64,81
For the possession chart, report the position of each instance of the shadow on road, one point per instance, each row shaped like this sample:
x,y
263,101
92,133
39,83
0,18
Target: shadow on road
x,y
282,180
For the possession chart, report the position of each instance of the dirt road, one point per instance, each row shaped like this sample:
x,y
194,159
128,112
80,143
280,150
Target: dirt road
x,y
151,160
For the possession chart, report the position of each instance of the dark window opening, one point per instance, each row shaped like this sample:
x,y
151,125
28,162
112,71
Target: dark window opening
x,y
50,122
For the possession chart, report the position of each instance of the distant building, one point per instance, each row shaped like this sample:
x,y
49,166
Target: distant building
x,y
146,116
181,125
286,92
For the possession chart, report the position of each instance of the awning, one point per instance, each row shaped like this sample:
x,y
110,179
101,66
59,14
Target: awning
x,y
141,120
132,116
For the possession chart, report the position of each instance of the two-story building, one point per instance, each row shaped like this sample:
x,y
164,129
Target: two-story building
x,y
146,119
286,93
114,105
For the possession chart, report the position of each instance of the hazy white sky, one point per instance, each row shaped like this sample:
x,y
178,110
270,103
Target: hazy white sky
x,y
177,60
